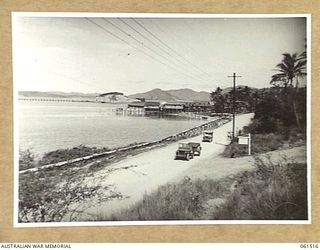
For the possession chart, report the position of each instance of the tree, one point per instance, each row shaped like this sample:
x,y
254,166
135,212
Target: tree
x,y
291,69
218,99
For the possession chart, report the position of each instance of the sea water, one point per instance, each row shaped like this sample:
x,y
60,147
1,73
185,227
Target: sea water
x,y
45,126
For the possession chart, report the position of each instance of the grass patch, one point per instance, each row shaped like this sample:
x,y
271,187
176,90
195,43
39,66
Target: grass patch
x,y
174,201
272,192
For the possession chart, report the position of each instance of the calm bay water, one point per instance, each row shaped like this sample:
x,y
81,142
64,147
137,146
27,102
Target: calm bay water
x,y
47,126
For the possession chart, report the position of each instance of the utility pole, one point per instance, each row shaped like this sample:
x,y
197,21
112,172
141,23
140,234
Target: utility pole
x,y
234,76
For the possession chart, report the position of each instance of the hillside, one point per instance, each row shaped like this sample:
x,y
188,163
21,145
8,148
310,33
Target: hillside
x,y
155,94
173,95
189,94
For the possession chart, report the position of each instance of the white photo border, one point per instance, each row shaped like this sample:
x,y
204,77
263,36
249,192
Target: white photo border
x,y
15,15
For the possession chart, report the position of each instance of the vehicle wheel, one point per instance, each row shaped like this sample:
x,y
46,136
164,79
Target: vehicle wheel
x,y
188,157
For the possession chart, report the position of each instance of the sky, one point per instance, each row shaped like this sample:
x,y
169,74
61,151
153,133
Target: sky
x,y
134,55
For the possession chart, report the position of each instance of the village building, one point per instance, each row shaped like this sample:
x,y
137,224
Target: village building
x,y
171,107
136,105
203,106
151,107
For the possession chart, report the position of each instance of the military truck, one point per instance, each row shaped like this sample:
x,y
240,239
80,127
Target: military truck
x,y
196,148
184,152
207,136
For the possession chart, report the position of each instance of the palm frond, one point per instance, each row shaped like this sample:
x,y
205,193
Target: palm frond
x,y
290,68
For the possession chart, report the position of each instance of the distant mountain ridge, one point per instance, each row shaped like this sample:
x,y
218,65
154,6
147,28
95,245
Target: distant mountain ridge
x,y
155,94
56,94
173,95
186,94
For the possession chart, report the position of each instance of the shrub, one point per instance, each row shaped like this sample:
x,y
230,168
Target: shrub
x,y
69,153
53,195
260,143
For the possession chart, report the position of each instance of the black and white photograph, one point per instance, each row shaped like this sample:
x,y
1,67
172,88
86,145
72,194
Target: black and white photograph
x,y
138,119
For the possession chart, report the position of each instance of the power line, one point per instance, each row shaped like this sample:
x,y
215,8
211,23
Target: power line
x,y
152,50
167,46
171,56
134,47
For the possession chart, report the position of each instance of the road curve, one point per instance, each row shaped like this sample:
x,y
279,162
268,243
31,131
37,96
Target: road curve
x,y
144,172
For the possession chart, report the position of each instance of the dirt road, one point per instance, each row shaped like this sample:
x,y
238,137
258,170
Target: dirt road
x,y
143,173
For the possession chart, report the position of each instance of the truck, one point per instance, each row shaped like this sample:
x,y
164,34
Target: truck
x,y
184,152
196,148
207,136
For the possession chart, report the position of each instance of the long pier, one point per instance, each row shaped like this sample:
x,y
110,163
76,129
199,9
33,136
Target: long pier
x,y
45,99
173,138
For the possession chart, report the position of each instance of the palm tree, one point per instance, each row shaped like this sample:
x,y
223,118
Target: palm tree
x,y
291,68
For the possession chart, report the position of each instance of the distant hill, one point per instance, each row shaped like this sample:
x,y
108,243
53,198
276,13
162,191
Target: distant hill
x,y
112,97
72,95
173,95
189,94
155,94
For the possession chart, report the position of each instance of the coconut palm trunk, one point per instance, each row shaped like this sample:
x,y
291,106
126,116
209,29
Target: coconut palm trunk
x,y
295,105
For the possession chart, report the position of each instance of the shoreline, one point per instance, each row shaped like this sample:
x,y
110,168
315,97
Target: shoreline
x,y
136,148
